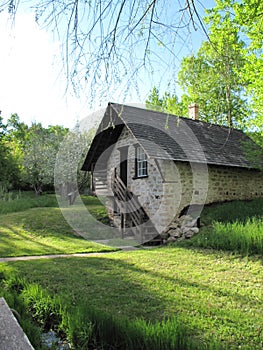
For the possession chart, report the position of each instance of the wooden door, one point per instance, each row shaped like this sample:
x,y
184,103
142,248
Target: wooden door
x,y
124,164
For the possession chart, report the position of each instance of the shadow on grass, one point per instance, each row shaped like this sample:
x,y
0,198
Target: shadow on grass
x,y
121,288
101,308
17,243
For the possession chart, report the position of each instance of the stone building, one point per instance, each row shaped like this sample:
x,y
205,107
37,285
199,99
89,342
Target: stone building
x,y
149,167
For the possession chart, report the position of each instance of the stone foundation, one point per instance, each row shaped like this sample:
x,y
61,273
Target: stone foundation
x,y
182,228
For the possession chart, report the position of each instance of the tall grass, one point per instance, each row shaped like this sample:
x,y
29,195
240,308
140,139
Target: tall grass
x,y
235,226
10,290
51,300
26,201
108,332
95,329
89,328
245,238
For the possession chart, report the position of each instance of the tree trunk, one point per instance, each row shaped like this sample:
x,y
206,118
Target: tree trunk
x,y
38,189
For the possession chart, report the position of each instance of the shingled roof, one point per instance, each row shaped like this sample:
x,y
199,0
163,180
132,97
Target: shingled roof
x,y
166,136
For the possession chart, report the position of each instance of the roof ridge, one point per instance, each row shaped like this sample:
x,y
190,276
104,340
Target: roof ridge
x,y
188,120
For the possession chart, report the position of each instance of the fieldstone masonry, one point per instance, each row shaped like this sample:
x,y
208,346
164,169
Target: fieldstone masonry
x,y
171,185
182,228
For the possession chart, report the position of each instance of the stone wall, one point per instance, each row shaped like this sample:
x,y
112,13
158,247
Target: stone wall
x,y
172,186
229,183
149,190
203,184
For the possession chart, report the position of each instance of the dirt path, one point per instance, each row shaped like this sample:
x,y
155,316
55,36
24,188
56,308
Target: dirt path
x,y
55,256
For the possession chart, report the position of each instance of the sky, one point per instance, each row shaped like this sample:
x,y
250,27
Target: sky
x,y
32,83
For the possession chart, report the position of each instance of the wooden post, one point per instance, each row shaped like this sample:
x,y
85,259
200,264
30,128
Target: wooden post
x,y
122,226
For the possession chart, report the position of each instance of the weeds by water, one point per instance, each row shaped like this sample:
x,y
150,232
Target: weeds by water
x,y
88,328
169,298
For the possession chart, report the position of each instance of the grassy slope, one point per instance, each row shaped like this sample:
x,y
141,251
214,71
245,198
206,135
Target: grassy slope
x,y
41,230
214,294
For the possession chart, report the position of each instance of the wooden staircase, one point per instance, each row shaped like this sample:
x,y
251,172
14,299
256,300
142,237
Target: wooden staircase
x,y
101,185
133,216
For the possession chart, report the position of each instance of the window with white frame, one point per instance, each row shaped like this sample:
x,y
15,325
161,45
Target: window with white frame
x,y
141,162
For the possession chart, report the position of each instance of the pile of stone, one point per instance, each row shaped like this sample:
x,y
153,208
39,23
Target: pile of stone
x,y
182,228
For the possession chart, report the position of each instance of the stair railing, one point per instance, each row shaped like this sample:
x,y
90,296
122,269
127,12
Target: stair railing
x,y
126,201
129,204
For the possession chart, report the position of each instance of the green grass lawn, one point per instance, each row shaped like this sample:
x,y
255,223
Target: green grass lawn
x,y
215,297
41,231
174,297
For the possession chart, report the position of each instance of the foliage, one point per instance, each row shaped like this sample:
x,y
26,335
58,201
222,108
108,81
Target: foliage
x,y
211,78
142,299
246,19
244,238
254,150
9,168
94,329
11,288
106,45
89,328
8,165
40,152
69,160
33,152
43,309
248,15
223,77
232,211
168,103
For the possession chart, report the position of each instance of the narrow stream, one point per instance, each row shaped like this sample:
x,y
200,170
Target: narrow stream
x,y
51,340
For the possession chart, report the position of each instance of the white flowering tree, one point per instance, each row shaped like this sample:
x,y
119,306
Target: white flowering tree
x,y
69,179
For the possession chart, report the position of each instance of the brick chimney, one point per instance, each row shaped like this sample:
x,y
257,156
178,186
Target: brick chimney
x,y
193,111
